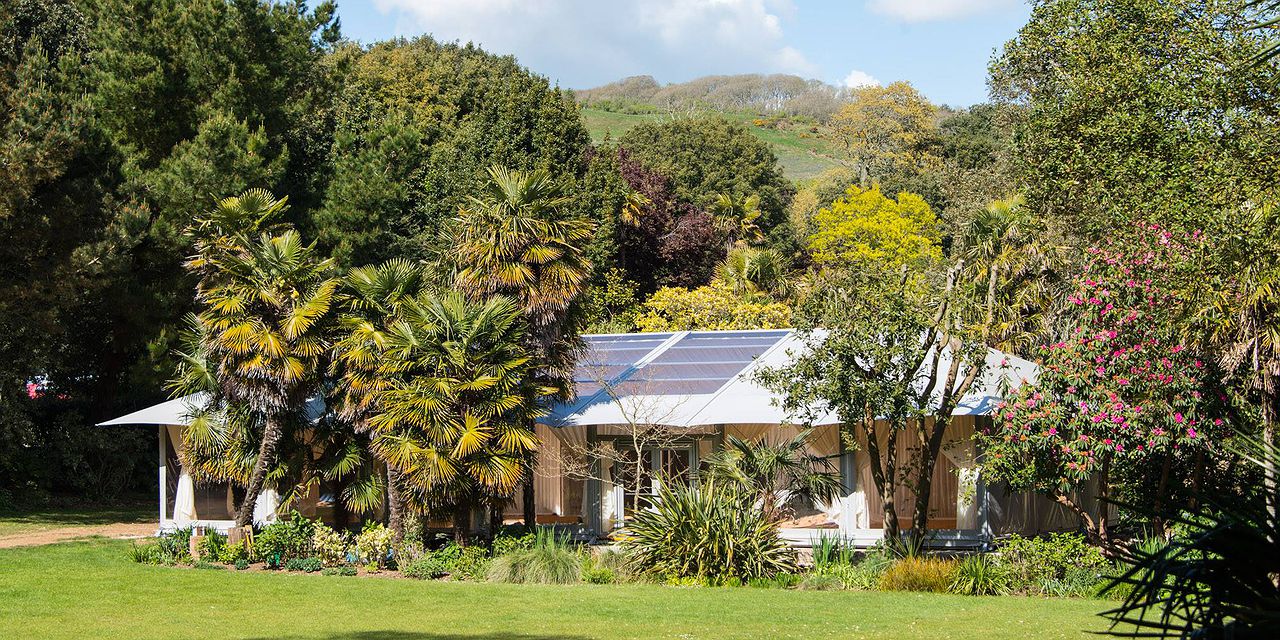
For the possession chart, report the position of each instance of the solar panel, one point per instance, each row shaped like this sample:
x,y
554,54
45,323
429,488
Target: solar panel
x,y
700,362
609,356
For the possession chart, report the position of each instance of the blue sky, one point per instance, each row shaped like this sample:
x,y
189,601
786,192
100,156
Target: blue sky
x,y
940,46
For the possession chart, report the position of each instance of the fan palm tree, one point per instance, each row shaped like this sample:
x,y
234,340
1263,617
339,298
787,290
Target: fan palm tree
x,y
373,297
753,272
267,301
771,471
452,416
736,219
1011,264
518,241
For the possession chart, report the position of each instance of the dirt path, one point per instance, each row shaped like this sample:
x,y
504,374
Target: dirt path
x,y
63,534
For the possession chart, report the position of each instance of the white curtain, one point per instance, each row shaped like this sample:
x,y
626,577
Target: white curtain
x,y
264,510
184,502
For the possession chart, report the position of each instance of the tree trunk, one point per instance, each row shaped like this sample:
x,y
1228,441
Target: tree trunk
x,y
266,459
528,503
461,518
341,515
1269,437
1104,508
395,503
924,479
1157,509
495,518
884,467
1090,527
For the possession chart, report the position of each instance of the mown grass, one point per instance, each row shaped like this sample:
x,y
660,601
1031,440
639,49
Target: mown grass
x,y
800,153
89,589
48,519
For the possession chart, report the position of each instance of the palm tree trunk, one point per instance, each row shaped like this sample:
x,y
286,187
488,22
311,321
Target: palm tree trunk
x,y
1269,399
461,520
395,503
266,459
528,502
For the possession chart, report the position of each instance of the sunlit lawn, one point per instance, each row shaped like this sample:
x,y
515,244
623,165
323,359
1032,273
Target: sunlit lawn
x,y
90,589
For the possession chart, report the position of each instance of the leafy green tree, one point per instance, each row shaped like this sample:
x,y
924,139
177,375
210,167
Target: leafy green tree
x,y
267,301
452,416
888,131
757,273
736,218
1140,110
417,123
707,157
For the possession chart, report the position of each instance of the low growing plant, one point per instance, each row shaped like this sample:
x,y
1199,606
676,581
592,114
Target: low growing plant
x,y
550,561
933,575
428,567
233,553
373,546
211,545
329,546
175,546
980,575
712,532
242,564
284,540
1061,563
339,571
307,565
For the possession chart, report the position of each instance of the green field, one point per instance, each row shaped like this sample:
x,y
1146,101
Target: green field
x,y
801,153
90,589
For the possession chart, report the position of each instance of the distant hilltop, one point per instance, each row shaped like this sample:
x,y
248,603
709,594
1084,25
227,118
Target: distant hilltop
x,y
760,93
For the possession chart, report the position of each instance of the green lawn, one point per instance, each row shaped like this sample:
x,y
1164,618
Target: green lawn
x,y
89,589
61,518
801,154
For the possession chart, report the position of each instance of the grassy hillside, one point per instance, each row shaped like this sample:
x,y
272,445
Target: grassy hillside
x,y
802,153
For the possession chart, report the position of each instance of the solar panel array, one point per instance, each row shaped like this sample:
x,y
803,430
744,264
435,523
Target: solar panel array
x,y
696,363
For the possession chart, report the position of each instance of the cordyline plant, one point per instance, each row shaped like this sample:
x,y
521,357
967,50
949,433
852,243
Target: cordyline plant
x,y
1121,391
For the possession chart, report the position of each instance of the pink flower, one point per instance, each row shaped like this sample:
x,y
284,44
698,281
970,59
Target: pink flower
x,y
1177,417
1053,431
1191,433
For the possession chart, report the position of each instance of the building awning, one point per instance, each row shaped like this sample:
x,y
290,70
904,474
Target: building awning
x,y
176,411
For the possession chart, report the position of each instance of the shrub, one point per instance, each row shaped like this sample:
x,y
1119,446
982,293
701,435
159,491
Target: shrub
x,y
308,565
339,571
428,567
615,562
980,575
829,551
211,545
373,546
208,565
284,540
514,538
233,553
712,532
550,561
779,581
329,546
1042,565
146,554
919,574
242,564
462,563
598,575
175,546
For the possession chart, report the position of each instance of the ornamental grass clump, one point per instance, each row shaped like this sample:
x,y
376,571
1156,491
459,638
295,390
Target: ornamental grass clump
x,y
551,560
934,575
980,575
713,532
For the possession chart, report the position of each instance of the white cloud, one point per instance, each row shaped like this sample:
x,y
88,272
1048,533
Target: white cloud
x,y
858,78
931,10
582,43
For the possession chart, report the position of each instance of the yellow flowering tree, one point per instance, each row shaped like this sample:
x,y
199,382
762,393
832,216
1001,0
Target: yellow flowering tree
x,y
715,306
865,227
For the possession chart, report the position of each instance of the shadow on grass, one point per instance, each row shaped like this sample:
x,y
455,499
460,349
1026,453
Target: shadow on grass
x,y
420,635
81,516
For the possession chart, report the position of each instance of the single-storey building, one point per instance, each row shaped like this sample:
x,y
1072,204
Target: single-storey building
x,y
674,398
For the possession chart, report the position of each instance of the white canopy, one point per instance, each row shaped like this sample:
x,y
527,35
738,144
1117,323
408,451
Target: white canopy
x,y
703,378
176,411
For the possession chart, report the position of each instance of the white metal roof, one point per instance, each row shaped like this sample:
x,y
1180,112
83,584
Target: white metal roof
x,y
699,378
684,379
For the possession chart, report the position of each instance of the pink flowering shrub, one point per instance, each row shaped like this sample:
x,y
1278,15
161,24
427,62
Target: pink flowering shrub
x,y
1121,387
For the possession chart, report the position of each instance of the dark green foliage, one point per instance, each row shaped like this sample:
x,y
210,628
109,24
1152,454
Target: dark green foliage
x,y
175,546
1140,110
1216,577
980,575
710,532
598,575
1058,564
308,565
428,567
211,546
339,571
708,156
242,564
417,123
284,540
208,565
